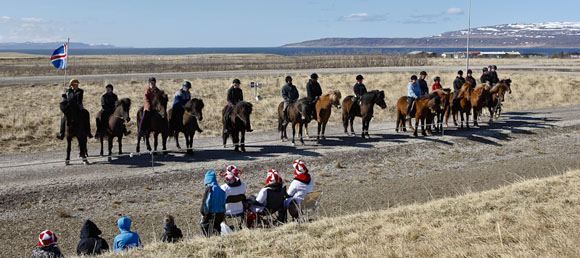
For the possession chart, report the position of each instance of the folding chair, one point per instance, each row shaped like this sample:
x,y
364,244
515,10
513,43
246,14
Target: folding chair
x,y
309,206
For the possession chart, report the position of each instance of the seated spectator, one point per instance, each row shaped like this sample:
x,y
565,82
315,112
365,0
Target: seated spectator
x,y
91,243
235,191
47,246
127,238
300,186
213,206
271,198
172,233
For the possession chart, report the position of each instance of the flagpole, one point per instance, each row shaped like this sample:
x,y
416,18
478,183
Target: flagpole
x,y
66,54
468,34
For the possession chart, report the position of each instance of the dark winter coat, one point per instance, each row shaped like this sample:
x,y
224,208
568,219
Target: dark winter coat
x,y
485,78
290,93
423,86
50,251
172,234
359,89
471,80
91,242
108,102
493,76
235,95
457,83
76,96
313,90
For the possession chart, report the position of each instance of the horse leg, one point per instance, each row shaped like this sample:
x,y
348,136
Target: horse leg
x,y
423,127
243,140
110,147
364,123
138,141
176,135
490,115
351,127
416,127
318,134
147,142
164,137
306,128
68,147
155,141
345,119
189,142
467,119
236,140
475,117
120,141
83,146
397,125
324,130
293,133
300,133
225,137
101,140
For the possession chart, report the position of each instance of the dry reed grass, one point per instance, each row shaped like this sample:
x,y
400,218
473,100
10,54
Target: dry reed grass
x,y
29,118
533,218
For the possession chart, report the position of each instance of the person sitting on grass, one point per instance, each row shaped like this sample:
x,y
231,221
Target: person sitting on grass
x,y
271,198
300,186
235,191
127,239
91,243
213,206
47,246
172,233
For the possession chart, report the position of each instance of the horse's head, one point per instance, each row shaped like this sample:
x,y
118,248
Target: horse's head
x,y
195,107
435,104
305,108
380,99
508,82
159,103
335,97
124,105
70,109
243,110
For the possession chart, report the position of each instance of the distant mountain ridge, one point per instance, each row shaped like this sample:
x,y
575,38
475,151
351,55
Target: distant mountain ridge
x,y
51,45
519,35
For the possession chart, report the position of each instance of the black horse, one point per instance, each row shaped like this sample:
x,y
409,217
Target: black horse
x,y
299,113
114,125
239,122
77,120
365,110
188,123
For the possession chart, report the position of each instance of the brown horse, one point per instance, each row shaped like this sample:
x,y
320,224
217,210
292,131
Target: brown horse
x,y
76,126
444,95
114,126
323,109
496,97
479,98
425,108
461,106
239,122
368,102
299,113
188,124
401,115
155,121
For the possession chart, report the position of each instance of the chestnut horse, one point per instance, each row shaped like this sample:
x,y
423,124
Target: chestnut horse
x,y
323,110
368,102
299,113
479,98
188,124
425,109
155,121
461,106
76,126
239,123
114,126
496,97
444,95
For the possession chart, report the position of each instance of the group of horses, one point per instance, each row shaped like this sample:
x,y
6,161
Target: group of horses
x,y
438,105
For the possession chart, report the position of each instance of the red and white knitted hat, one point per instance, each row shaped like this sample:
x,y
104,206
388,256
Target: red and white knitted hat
x,y
299,167
46,238
232,174
273,177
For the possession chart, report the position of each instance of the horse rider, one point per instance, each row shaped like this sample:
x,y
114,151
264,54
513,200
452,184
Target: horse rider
x,y
413,92
181,97
290,95
469,78
108,101
147,98
422,83
73,93
493,75
485,77
437,84
313,92
234,96
457,84
359,90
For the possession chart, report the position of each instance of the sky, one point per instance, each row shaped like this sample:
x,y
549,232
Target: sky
x,y
261,23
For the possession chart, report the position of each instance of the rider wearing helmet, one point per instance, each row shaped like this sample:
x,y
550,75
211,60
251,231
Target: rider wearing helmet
x,y
413,92
493,75
437,84
313,92
469,78
148,96
234,96
290,95
108,102
485,77
181,97
422,83
359,90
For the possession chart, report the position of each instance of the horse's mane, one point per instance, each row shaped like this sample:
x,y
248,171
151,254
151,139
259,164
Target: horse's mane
x,y
497,87
370,95
335,93
124,102
189,104
246,105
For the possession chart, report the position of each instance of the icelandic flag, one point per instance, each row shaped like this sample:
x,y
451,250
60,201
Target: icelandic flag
x,y
59,57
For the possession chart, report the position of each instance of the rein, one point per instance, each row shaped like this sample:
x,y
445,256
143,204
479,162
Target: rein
x,y
190,114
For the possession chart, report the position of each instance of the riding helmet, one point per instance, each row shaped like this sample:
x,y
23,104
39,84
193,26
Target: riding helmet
x,y
314,76
423,73
109,86
494,67
73,81
437,78
152,79
413,77
187,84
469,71
485,69
236,81
288,78
460,72
359,77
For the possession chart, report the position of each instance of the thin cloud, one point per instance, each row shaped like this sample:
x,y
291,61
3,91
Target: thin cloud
x,y
433,17
31,29
453,11
361,17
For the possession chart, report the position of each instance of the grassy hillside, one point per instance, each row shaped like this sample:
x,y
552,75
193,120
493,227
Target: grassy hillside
x,y
528,219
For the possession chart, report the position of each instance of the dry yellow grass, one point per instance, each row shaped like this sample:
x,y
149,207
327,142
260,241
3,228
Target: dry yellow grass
x,y
29,118
534,218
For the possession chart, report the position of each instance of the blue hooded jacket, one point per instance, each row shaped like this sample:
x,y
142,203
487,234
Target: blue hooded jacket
x,y
214,200
413,90
127,238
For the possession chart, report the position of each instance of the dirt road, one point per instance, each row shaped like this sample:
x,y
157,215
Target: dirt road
x,y
38,192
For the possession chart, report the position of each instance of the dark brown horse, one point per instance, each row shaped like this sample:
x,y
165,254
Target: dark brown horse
x,y
239,121
323,110
444,95
189,123
114,126
462,105
76,126
366,109
155,121
299,113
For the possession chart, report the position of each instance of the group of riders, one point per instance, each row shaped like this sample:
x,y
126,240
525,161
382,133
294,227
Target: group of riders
x,y
417,87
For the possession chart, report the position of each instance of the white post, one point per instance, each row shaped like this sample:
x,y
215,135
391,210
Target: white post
x,y
468,35
66,54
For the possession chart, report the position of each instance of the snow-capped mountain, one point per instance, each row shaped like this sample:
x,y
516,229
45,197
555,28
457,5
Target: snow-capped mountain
x,y
518,35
